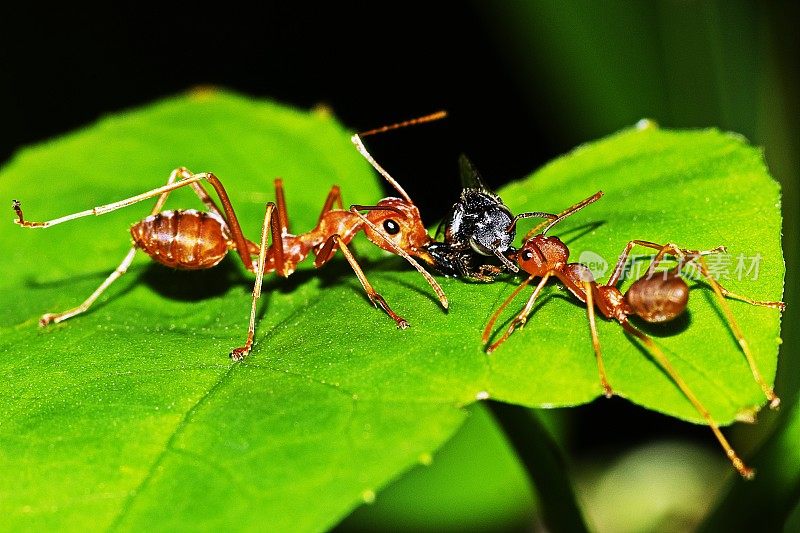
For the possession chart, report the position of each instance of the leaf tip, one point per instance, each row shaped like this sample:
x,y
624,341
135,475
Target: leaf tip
x,y
202,93
748,416
368,496
322,110
646,124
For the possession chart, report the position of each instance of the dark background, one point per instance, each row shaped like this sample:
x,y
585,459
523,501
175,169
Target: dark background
x,y
510,87
523,83
371,66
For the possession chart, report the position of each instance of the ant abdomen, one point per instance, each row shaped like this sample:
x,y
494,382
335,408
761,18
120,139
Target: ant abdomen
x,y
184,239
658,298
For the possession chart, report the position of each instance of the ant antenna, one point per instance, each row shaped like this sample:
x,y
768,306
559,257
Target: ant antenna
x,y
564,214
420,120
359,207
552,219
363,151
577,207
356,140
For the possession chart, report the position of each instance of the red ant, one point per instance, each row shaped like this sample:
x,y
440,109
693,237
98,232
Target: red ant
x,y
192,240
653,298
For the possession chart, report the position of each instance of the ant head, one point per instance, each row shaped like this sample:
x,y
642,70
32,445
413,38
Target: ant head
x,y
658,297
398,221
540,254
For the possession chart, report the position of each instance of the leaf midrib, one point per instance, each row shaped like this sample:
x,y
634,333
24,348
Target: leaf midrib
x,y
168,446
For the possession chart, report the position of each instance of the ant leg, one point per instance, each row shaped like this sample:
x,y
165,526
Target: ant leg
x,y
488,273
520,320
48,318
684,256
579,281
242,247
280,228
119,271
162,191
237,354
623,259
334,199
663,249
490,325
163,198
327,251
721,293
198,189
280,200
589,290
662,360
728,294
760,303
209,202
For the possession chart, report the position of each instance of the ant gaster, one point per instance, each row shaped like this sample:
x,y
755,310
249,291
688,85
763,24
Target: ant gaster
x,y
655,297
478,226
191,239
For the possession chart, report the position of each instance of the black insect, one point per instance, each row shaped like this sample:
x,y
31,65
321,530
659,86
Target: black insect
x,y
478,229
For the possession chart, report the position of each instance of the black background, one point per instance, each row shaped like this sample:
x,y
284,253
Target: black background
x,y
371,66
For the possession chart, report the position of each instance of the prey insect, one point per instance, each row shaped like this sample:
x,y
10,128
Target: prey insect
x,y
658,296
479,227
192,240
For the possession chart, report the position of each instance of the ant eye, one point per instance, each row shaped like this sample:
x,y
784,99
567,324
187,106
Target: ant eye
x,y
391,227
527,255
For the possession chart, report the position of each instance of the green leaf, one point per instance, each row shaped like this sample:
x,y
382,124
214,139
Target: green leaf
x,y
132,414
697,189
476,483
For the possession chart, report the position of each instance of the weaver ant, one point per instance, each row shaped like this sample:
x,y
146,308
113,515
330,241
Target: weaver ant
x,y
478,226
192,240
655,297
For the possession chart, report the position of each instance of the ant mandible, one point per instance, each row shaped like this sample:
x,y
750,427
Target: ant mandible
x,y
655,297
193,240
